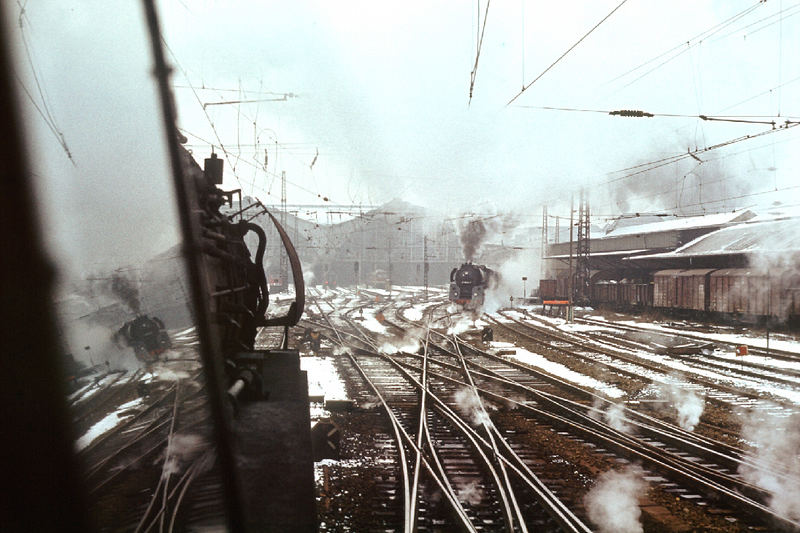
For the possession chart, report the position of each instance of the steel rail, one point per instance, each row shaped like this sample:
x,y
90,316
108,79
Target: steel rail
x,y
673,434
550,502
787,355
440,478
506,490
621,356
607,436
566,518
423,396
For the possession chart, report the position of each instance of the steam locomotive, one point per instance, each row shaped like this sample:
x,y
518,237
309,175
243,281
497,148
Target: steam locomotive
x,y
147,336
469,282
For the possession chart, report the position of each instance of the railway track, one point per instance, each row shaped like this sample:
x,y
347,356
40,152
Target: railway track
x,y
679,464
155,469
638,366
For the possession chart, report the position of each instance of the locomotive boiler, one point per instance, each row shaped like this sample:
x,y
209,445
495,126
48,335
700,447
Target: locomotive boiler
x,y
469,283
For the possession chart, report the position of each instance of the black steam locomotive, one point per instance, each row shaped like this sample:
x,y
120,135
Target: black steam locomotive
x,y
468,284
146,335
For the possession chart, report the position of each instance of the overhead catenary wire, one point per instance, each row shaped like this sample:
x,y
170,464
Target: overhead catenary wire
x,y
254,165
43,109
474,72
672,159
685,45
526,87
749,119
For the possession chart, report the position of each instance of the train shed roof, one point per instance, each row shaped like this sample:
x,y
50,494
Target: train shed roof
x,y
768,237
678,223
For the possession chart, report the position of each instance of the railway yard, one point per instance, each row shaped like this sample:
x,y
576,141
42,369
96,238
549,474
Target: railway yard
x,y
597,425
550,426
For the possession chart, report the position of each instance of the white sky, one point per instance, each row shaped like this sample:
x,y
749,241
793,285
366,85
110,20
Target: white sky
x,y
382,94
383,90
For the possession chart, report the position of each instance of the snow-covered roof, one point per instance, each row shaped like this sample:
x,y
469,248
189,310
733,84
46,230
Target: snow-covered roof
x,y
615,253
679,223
769,237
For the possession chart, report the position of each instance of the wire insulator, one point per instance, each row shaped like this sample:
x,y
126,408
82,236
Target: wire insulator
x,y
630,113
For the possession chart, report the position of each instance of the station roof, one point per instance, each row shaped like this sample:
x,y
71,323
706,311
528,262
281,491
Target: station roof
x,y
676,223
616,253
769,237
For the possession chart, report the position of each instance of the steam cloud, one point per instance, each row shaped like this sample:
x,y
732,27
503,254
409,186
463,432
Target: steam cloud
x,y
462,324
613,505
777,440
409,343
469,404
180,450
470,493
524,263
615,417
687,403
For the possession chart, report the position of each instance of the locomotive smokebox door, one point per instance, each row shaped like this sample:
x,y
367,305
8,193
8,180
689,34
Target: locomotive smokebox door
x,y
213,169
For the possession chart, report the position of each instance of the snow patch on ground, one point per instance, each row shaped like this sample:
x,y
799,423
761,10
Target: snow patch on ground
x,y
371,323
741,383
559,370
414,313
758,342
323,379
109,422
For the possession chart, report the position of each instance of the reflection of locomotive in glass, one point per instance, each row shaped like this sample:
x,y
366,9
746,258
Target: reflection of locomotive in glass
x,y
469,282
146,335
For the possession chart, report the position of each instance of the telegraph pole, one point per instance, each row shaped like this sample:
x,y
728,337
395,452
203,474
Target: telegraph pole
x,y
557,237
582,274
570,284
284,262
544,241
425,264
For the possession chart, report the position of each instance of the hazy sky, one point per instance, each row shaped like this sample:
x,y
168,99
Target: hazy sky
x,y
382,95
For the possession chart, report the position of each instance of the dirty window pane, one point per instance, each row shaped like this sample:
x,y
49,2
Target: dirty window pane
x,y
140,413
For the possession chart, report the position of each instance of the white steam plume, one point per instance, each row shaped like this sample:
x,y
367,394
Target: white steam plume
x,y
409,343
470,405
181,449
470,493
687,403
522,264
613,503
615,417
461,324
776,441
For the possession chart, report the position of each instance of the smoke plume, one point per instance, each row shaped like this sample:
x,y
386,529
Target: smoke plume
x,y
125,289
613,503
461,324
509,281
472,237
776,441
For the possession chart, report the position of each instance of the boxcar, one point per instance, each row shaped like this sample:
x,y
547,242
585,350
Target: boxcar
x,y
739,291
547,289
692,289
665,288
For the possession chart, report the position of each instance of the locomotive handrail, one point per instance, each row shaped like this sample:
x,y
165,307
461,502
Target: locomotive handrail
x,y
292,317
